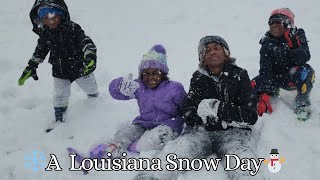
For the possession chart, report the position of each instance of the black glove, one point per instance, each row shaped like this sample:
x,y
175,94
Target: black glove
x,y
213,124
192,119
29,71
292,38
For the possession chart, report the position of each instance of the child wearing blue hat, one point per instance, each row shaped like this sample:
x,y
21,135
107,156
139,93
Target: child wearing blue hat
x,y
72,53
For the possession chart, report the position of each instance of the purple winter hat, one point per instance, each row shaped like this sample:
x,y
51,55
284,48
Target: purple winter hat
x,y
155,58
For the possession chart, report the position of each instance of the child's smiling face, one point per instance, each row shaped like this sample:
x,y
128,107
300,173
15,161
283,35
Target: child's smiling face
x,y
152,77
277,29
52,21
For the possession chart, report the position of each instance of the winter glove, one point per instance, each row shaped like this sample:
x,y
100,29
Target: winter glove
x,y
292,37
191,118
29,71
264,104
208,108
89,63
128,86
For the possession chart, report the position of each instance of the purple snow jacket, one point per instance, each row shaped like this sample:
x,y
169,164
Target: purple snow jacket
x,y
157,106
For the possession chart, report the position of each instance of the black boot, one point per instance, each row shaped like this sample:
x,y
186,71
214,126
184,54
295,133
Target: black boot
x,y
59,112
93,95
303,107
302,100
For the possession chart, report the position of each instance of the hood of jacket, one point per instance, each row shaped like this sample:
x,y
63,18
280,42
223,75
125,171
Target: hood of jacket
x,y
38,26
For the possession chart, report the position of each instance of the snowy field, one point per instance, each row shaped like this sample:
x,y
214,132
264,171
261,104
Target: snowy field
x,y
123,31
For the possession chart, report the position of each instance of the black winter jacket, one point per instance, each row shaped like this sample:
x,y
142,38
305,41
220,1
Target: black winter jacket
x,y
276,58
238,104
67,43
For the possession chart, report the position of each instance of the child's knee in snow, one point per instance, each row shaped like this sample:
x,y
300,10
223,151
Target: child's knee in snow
x,y
156,138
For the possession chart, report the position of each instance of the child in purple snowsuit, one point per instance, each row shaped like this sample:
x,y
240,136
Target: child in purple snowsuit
x,y
159,100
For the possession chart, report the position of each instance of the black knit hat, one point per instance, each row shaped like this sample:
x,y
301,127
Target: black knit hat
x,y
212,39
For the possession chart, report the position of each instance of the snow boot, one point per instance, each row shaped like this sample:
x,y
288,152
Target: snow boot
x,y
303,107
79,158
93,95
101,151
59,113
303,113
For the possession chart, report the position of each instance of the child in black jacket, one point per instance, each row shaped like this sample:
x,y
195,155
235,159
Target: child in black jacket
x,y
72,53
284,55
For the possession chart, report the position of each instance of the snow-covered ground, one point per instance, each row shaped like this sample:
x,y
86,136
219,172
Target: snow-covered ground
x,y
123,31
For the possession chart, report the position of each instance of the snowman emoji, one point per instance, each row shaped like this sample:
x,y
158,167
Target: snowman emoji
x,y
274,165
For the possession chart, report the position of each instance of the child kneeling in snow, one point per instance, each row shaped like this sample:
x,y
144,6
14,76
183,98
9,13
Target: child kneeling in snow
x,y
159,100
284,55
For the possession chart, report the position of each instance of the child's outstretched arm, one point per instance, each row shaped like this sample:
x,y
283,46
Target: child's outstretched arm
x,y
41,50
38,57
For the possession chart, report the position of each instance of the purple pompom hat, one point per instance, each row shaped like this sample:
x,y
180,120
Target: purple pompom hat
x,y
155,58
